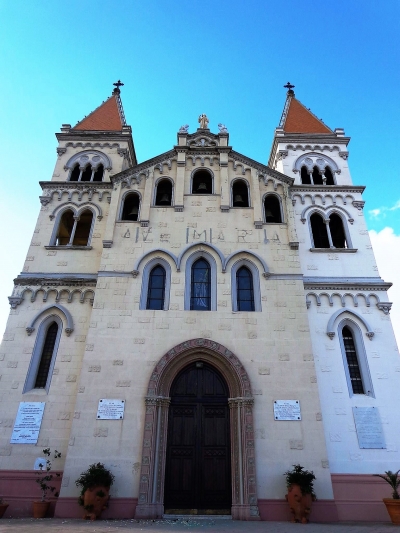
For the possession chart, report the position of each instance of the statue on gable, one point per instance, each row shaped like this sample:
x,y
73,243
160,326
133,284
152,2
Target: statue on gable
x,y
222,128
203,121
184,128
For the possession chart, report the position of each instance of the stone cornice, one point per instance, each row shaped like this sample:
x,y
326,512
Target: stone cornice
x,y
305,139
79,185
65,281
328,188
236,156
130,172
94,137
358,284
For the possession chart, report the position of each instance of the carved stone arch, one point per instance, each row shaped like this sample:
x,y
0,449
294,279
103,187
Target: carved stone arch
x,y
77,209
313,159
122,203
373,295
150,253
151,494
330,331
279,198
264,265
155,188
65,314
71,294
252,267
342,303
328,296
202,169
89,157
85,294
199,246
365,296
60,294
246,182
325,212
308,301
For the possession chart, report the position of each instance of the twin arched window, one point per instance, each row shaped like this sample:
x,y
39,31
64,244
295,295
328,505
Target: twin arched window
x,y
328,233
316,176
74,230
88,173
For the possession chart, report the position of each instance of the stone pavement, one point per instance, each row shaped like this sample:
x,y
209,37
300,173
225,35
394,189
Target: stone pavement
x,y
60,525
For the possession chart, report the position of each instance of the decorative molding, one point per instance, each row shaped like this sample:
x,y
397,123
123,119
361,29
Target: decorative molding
x,y
342,298
225,208
143,167
323,197
66,315
79,209
331,323
57,281
258,224
45,292
326,212
60,151
178,208
14,301
384,306
92,145
51,188
294,245
93,158
107,244
330,188
358,204
144,223
334,250
344,155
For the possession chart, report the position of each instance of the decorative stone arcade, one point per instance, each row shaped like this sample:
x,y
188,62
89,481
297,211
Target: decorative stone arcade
x,y
151,490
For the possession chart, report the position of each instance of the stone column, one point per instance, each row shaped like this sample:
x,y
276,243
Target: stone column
x,y
255,200
288,212
112,216
146,200
151,486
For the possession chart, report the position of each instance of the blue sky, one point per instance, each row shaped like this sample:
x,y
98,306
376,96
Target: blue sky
x,y
230,60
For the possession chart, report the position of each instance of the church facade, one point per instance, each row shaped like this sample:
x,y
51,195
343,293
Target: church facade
x,y
230,312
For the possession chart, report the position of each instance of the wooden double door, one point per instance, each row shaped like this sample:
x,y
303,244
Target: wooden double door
x,y
198,467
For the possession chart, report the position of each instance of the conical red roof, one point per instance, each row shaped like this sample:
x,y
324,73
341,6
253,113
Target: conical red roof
x,y
106,117
300,120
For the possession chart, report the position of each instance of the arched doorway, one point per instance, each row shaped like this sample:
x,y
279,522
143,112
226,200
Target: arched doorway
x,y
241,424
198,469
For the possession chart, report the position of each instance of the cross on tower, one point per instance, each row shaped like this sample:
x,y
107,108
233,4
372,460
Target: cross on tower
x,y
290,88
118,84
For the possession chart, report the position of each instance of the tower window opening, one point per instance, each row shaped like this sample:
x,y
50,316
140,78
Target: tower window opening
x,y
46,356
319,231
316,176
87,174
65,228
202,183
164,193
82,229
75,174
272,209
337,231
305,176
98,173
329,176
352,361
130,210
240,194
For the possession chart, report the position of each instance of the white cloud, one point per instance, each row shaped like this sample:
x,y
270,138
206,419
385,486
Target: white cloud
x,y
381,211
375,212
386,245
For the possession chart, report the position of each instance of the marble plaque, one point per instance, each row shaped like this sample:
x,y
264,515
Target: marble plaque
x,y
287,410
27,423
111,409
369,427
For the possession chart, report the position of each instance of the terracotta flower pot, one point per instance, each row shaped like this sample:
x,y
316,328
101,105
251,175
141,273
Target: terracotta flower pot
x,y
95,501
300,504
3,508
393,508
40,509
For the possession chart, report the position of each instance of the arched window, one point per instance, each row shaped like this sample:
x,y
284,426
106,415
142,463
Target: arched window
x,y
156,288
329,176
87,174
76,173
202,182
44,354
82,229
272,209
65,228
319,231
240,194
316,176
130,210
305,176
355,359
98,173
200,293
74,230
244,290
164,193
337,231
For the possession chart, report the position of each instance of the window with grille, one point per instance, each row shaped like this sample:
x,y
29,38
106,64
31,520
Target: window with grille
x,y
200,293
156,289
46,357
244,290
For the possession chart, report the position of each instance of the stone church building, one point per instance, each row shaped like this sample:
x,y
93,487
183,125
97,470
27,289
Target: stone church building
x,y
200,322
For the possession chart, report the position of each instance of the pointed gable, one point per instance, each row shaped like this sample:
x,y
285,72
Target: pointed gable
x,y
300,120
106,117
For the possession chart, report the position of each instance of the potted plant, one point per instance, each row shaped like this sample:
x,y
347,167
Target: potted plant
x,y
300,485
95,485
44,479
393,503
3,506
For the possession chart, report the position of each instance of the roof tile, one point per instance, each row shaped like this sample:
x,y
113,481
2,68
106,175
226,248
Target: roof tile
x,y
300,120
105,118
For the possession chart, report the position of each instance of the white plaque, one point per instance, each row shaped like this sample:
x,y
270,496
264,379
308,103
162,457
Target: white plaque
x,y
111,409
369,427
27,423
287,410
